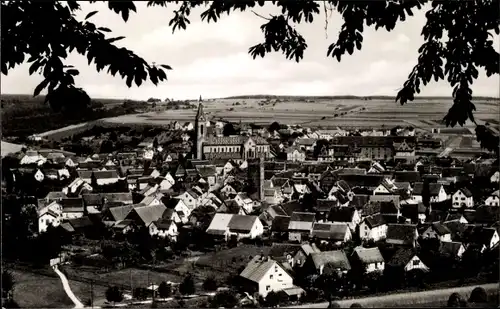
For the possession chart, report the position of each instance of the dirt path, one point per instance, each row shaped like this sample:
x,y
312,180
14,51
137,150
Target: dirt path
x,y
410,298
67,288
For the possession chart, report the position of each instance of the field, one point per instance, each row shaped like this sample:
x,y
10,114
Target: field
x,y
38,291
10,148
349,113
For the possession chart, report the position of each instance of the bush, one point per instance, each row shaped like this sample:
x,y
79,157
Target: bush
x,y
210,284
114,294
478,295
334,305
455,300
225,299
164,290
356,305
187,285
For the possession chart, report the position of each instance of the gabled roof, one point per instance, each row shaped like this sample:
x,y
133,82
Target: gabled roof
x,y
374,221
258,267
98,174
219,224
120,212
359,200
242,223
163,224
336,259
280,224
401,257
330,231
148,214
450,248
368,255
434,188
301,221
465,191
401,233
341,214
440,228
323,205
407,176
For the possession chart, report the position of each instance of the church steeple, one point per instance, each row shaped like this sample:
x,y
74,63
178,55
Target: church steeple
x,y
200,132
200,99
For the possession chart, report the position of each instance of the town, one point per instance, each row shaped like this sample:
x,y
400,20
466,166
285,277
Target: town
x,y
217,214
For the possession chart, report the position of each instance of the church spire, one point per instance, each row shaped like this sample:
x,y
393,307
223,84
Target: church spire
x,y
200,99
200,114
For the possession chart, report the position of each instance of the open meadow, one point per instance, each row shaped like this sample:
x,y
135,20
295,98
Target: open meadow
x,y
422,113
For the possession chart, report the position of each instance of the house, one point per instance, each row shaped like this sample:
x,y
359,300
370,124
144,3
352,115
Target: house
x,y
72,208
347,215
407,259
103,177
279,226
452,249
300,226
163,228
272,196
437,230
334,232
116,214
495,177
291,254
143,215
493,199
190,199
263,275
32,157
39,176
295,154
486,237
172,215
243,226
462,198
370,259
180,207
124,226
244,202
373,228
436,190
47,217
327,262
402,234
76,186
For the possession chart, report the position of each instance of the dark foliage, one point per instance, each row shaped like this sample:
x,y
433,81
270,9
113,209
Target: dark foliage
x,y
187,285
114,294
225,299
456,300
7,283
478,295
164,290
210,284
274,127
228,129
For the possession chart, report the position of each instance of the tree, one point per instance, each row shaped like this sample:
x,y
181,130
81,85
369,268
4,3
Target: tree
x,y
468,45
478,295
356,305
164,290
228,129
225,299
114,294
210,284
93,181
7,284
275,126
187,285
456,300
272,299
426,193
140,293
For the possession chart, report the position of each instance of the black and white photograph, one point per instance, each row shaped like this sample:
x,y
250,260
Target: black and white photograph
x,y
250,153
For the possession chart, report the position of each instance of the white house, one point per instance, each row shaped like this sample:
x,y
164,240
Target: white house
x,y
163,228
39,176
408,260
493,199
437,230
370,258
495,177
244,202
182,210
46,218
436,190
462,197
190,199
241,226
148,154
263,275
33,157
373,228
75,184
295,154
228,190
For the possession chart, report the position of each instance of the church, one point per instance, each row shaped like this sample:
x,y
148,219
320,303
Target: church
x,y
235,147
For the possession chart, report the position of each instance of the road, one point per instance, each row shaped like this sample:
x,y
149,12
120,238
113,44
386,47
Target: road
x,y
67,288
454,143
405,299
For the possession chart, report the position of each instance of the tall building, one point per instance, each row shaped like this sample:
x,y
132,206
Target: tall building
x,y
236,147
255,172
200,131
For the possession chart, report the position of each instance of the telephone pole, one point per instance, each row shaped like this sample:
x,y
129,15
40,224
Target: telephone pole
x,y
92,293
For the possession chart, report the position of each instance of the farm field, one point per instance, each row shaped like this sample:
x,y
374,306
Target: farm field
x,y
38,291
325,113
10,148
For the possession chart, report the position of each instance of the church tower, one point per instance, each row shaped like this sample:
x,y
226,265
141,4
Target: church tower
x,y
200,132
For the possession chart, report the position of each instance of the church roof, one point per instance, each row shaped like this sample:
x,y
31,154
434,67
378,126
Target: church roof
x,y
200,112
233,140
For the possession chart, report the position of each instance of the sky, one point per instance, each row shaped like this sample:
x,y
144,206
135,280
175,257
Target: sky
x,y
212,60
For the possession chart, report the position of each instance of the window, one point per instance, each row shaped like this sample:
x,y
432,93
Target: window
x,y
279,275
202,129
268,288
271,276
416,262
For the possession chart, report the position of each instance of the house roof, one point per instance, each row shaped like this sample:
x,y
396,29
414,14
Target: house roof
x,y
407,176
323,205
301,221
242,223
233,140
79,223
386,198
120,212
401,257
359,200
280,250
55,195
258,267
341,214
404,233
151,213
280,224
450,248
465,191
98,174
163,224
434,188
440,228
335,259
330,231
478,235
219,224
375,220
486,214
368,255
97,198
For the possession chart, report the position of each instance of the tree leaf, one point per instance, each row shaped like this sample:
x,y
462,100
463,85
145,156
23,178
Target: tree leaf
x,y
166,67
40,87
104,29
111,40
73,72
90,14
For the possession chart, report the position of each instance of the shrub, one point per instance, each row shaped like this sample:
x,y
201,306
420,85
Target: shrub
x,y
187,285
164,290
210,284
334,305
114,294
356,305
225,299
478,295
455,300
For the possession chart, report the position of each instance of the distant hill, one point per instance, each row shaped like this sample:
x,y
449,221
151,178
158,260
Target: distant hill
x,y
342,97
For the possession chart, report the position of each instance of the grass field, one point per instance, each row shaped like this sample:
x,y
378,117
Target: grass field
x,y
38,291
10,148
350,113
